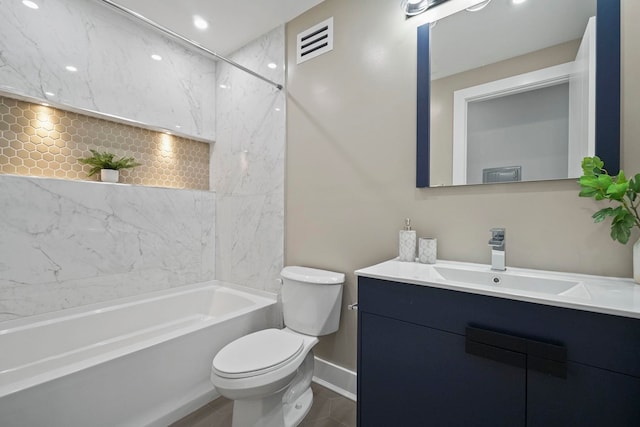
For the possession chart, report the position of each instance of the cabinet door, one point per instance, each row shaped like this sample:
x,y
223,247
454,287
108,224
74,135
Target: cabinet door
x,y
588,397
411,375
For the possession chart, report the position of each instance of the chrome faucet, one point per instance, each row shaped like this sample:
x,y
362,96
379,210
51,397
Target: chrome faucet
x,y
497,243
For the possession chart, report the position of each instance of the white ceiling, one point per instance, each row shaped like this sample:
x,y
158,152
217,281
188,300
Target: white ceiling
x,y
232,23
502,30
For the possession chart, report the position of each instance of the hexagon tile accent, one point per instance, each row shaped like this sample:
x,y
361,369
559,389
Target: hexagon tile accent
x,y
43,141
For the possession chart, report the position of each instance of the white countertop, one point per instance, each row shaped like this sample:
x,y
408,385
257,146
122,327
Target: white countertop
x,y
609,295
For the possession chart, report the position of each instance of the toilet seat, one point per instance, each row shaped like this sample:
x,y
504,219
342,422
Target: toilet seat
x,y
257,353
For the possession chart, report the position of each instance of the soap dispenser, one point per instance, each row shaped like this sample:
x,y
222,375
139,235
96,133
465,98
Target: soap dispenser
x,y
407,243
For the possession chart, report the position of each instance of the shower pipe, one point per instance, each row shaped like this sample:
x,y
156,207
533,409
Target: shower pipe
x,y
188,41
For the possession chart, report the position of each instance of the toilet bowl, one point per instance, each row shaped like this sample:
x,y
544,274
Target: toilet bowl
x,y
268,373
258,385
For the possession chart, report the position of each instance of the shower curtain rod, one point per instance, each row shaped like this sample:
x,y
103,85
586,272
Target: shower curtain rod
x,y
188,41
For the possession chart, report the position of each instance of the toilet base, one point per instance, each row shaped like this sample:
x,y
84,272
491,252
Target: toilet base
x,y
295,412
270,412
260,407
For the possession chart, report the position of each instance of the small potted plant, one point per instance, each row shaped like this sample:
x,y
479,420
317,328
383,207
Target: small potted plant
x,y
597,183
107,165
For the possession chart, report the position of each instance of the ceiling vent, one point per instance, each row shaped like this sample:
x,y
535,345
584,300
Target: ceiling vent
x,y
315,41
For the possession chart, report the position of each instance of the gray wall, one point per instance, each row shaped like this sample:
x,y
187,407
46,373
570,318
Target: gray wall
x,y
350,169
528,129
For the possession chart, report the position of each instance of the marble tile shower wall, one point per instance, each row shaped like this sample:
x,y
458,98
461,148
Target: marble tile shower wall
x,y
247,166
114,72
69,243
44,141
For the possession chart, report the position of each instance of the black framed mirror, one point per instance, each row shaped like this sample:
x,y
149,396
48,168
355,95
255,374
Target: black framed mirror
x,y
605,113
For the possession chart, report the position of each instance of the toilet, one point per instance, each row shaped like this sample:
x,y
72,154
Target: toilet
x,y
268,373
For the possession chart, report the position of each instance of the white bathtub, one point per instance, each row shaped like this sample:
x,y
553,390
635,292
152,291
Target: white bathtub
x,y
138,361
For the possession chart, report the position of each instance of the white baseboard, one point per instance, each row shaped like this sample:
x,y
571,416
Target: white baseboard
x,y
335,378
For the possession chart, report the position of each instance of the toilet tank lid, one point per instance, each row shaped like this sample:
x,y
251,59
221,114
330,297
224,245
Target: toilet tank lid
x,y
312,275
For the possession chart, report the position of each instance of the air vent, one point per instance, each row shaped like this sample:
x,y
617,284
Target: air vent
x,y
315,41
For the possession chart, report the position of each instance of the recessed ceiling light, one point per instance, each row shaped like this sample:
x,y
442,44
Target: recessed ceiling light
x,y
71,68
50,94
178,126
30,4
272,65
277,109
223,86
156,57
518,1
200,23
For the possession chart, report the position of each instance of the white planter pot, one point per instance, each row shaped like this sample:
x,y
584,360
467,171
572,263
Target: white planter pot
x,y
636,261
109,175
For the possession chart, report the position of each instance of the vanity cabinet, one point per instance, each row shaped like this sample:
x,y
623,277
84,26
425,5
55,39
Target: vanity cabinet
x,y
436,357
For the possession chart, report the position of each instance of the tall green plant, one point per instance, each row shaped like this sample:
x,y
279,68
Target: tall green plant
x,y
597,183
106,160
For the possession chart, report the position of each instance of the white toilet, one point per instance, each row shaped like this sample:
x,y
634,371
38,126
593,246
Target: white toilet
x,y
268,373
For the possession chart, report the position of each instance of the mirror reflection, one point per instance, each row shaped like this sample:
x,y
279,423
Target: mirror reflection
x,y
512,92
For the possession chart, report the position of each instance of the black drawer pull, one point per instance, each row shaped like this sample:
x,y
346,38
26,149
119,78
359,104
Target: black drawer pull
x,y
517,351
501,355
547,366
545,350
496,339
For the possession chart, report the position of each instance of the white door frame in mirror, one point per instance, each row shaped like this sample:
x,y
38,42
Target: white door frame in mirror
x,y
582,102
538,79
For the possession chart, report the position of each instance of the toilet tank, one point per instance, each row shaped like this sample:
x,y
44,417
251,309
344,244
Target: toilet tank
x,y
311,300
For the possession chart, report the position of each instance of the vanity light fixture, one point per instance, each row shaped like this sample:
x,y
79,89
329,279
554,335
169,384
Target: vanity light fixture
x,y
481,5
200,23
156,57
416,7
30,4
71,68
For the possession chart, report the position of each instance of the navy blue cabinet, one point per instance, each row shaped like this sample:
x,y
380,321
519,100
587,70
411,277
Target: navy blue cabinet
x,y
407,380
434,357
587,397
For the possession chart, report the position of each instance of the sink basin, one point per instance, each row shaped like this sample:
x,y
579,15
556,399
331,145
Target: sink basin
x,y
504,279
599,294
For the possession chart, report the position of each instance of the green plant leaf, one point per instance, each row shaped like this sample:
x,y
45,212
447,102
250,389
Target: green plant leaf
x,y
588,181
106,160
604,181
621,179
597,183
634,183
619,214
634,188
617,191
602,214
587,192
621,232
592,165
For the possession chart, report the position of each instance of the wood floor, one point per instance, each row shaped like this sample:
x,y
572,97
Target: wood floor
x,y
329,410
